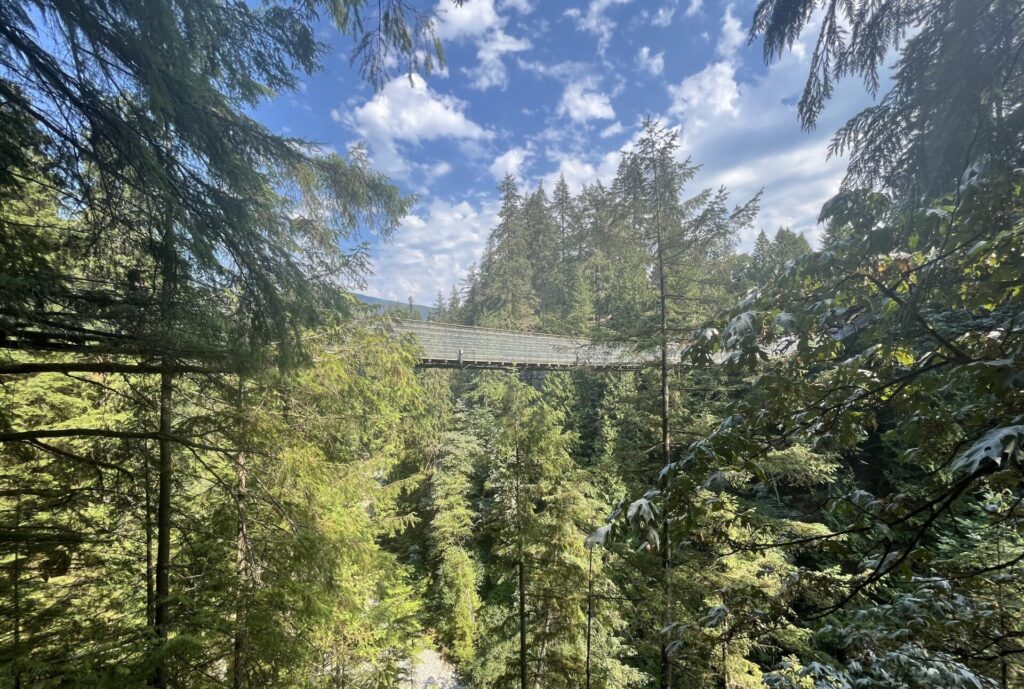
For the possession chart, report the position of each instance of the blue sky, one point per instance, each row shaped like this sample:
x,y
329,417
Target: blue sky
x,y
542,88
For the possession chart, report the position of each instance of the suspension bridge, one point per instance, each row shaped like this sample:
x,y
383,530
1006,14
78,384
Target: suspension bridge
x,y
443,345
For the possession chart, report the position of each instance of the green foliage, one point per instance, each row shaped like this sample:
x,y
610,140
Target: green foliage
x,y
536,506
138,112
505,297
837,499
873,450
323,597
770,256
452,530
155,243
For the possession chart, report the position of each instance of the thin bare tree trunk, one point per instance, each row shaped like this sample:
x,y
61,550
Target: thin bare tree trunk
x,y
590,606
725,668
239,676
162,616
543,649
666,439
17,594
523,675
150,591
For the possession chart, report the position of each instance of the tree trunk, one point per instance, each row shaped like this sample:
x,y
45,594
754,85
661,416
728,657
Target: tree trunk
x,y
590,606
523,678
163,529
543,648
147,465
523,675
17,594
239,674
168,283
666,444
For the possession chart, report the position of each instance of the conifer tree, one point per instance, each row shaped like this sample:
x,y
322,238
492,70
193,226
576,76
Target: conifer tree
x,y
505,297
454,515
563,208
786,246
185,245
543,247
767,257
760,258
684,241
535,514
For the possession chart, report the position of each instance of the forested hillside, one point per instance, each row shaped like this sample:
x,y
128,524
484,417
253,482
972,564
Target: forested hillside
x,y
219,469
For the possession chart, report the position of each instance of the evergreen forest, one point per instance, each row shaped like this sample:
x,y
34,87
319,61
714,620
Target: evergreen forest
x,y
219,469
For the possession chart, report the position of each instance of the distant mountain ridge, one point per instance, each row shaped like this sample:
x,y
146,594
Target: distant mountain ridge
x,y
390,305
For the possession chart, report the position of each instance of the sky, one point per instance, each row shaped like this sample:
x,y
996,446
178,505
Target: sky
x,y
542,88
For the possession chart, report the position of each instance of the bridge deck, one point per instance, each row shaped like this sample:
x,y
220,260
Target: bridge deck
x,y
445,345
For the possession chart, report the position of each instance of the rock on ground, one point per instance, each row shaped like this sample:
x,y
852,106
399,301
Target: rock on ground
x,y
431,671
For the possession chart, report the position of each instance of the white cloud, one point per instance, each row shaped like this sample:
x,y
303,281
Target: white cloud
x,y
509,162
491,69
407,110
471,20
478,21
732,36
438,169
563,71
520,6
423,175
595,21
663,17
711,92
756,141
581,103
652,63
612,129
578,172
796,182
431,251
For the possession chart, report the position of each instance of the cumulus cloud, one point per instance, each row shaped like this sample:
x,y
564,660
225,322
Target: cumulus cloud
x,y
756,142
563,71
579,172
581,103
795,184
595,21
652,63
732,36
408,110
711,92
509,162
520,6
612,129
663,17
740,124
472,20
432,249
490,71
479,21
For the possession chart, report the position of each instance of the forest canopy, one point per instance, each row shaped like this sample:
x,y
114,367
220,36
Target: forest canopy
x,y
219,469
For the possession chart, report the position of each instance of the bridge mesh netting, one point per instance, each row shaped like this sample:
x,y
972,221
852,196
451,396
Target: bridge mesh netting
x,y
444,344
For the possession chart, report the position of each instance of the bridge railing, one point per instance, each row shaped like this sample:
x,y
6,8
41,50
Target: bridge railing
x,y
445,344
